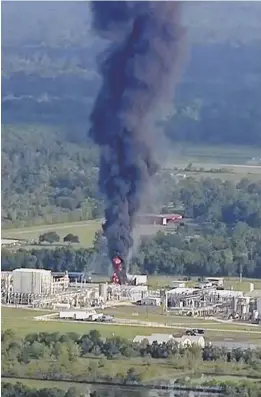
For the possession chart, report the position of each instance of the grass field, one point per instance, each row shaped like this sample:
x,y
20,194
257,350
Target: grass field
x,y
22,321
154,314
210,154
84,230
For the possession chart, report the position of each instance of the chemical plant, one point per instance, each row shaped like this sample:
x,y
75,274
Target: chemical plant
x,y
39,288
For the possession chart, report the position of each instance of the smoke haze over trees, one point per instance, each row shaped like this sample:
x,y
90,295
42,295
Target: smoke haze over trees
x,y
49,73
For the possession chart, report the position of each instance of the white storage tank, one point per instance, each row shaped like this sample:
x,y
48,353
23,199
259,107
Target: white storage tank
x,y
32,281
103,291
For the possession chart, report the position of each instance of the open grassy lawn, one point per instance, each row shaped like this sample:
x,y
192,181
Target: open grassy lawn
x,y
155,314
22,321
84,230
235,175
210,154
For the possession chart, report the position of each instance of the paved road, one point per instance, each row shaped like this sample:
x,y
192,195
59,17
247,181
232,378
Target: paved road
x,y
138,323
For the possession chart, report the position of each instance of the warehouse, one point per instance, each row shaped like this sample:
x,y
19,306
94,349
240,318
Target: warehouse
x,y
32,281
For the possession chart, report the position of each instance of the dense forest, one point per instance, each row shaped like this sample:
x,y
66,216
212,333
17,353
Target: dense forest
x,y
49,69
46,178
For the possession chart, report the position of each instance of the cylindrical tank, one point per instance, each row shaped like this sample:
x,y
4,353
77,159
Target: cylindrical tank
x,y
103,290
32,281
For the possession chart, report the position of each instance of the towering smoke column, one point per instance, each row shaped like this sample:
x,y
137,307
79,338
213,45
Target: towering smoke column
x,y
138,74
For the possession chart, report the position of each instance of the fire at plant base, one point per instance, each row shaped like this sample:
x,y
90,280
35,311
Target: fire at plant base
x,y
119,275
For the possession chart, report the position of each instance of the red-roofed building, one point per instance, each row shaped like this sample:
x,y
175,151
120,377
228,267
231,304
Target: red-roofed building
x,y
159,219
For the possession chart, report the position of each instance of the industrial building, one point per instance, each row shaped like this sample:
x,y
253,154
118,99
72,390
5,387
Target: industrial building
x,y
151,301
183,341
210,301
40,288
32,281
43,289
159,219
177,284
217,281
138,279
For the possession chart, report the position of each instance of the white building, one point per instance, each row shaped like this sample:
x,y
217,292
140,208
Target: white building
x,y
218,281
225,294
184,341
138,279
182,291
32,281
5,242
151,301
177,284
133,292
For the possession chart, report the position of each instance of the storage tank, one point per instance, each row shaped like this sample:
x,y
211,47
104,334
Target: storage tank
x,y
103,291
32,281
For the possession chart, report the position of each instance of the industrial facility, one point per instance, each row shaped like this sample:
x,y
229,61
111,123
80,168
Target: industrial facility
x,y
39,288
44,289
209,300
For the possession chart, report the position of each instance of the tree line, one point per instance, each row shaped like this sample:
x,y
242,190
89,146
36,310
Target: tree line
x,y
90,357
71,346
18,389
219,251
43,185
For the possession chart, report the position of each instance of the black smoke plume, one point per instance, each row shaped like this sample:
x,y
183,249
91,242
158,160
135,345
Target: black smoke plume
x,y
138,74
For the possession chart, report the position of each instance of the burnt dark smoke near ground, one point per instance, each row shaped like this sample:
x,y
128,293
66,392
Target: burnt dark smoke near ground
x,y
138,70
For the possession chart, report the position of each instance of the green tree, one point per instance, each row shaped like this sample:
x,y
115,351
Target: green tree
x,y
49,237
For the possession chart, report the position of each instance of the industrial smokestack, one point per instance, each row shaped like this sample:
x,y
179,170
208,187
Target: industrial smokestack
x,y
138,73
